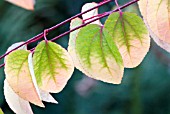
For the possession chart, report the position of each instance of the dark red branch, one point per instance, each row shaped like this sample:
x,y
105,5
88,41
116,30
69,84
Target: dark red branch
x,y
99,17
120,11
41,35
2,65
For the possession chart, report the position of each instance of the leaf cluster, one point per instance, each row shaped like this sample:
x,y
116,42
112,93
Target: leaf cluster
x,y
101,51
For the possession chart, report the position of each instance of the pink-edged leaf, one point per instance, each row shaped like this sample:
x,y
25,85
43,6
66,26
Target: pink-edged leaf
x,y
19,77
151,22
53,66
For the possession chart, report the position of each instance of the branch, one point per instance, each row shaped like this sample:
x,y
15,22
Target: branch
x,y
100,16
41,35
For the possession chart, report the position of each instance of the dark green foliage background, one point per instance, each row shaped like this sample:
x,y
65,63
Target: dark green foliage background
x,y
144,90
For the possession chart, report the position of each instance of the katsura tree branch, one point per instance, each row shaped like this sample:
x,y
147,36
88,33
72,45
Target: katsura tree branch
x,y
99,17
41,35
120,11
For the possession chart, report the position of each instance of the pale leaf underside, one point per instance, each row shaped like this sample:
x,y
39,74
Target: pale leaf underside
x,y
90,13
72,41
16,103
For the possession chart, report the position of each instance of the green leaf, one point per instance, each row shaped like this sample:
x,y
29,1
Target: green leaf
x,y
1,112
44,96
130,35
16,103
98,54
19,77
53,66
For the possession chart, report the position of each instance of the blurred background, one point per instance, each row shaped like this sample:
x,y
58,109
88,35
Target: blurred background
x,y
144,90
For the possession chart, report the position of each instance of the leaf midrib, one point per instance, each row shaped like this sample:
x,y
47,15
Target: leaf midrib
x,y
50,65
103,55
138,36
20,70
89,50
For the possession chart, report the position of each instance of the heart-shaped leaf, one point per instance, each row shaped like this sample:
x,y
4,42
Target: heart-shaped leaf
x,y
16,103
131,36
53,66
19,77
98,54
45,96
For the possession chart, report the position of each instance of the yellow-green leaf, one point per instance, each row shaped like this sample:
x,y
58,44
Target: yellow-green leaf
x,y
131,36
1,112
98,54
53,66
13,46
44,96
16,103
19,77
77,22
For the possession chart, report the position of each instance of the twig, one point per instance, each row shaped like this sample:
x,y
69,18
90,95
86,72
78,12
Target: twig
x,y
39,36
